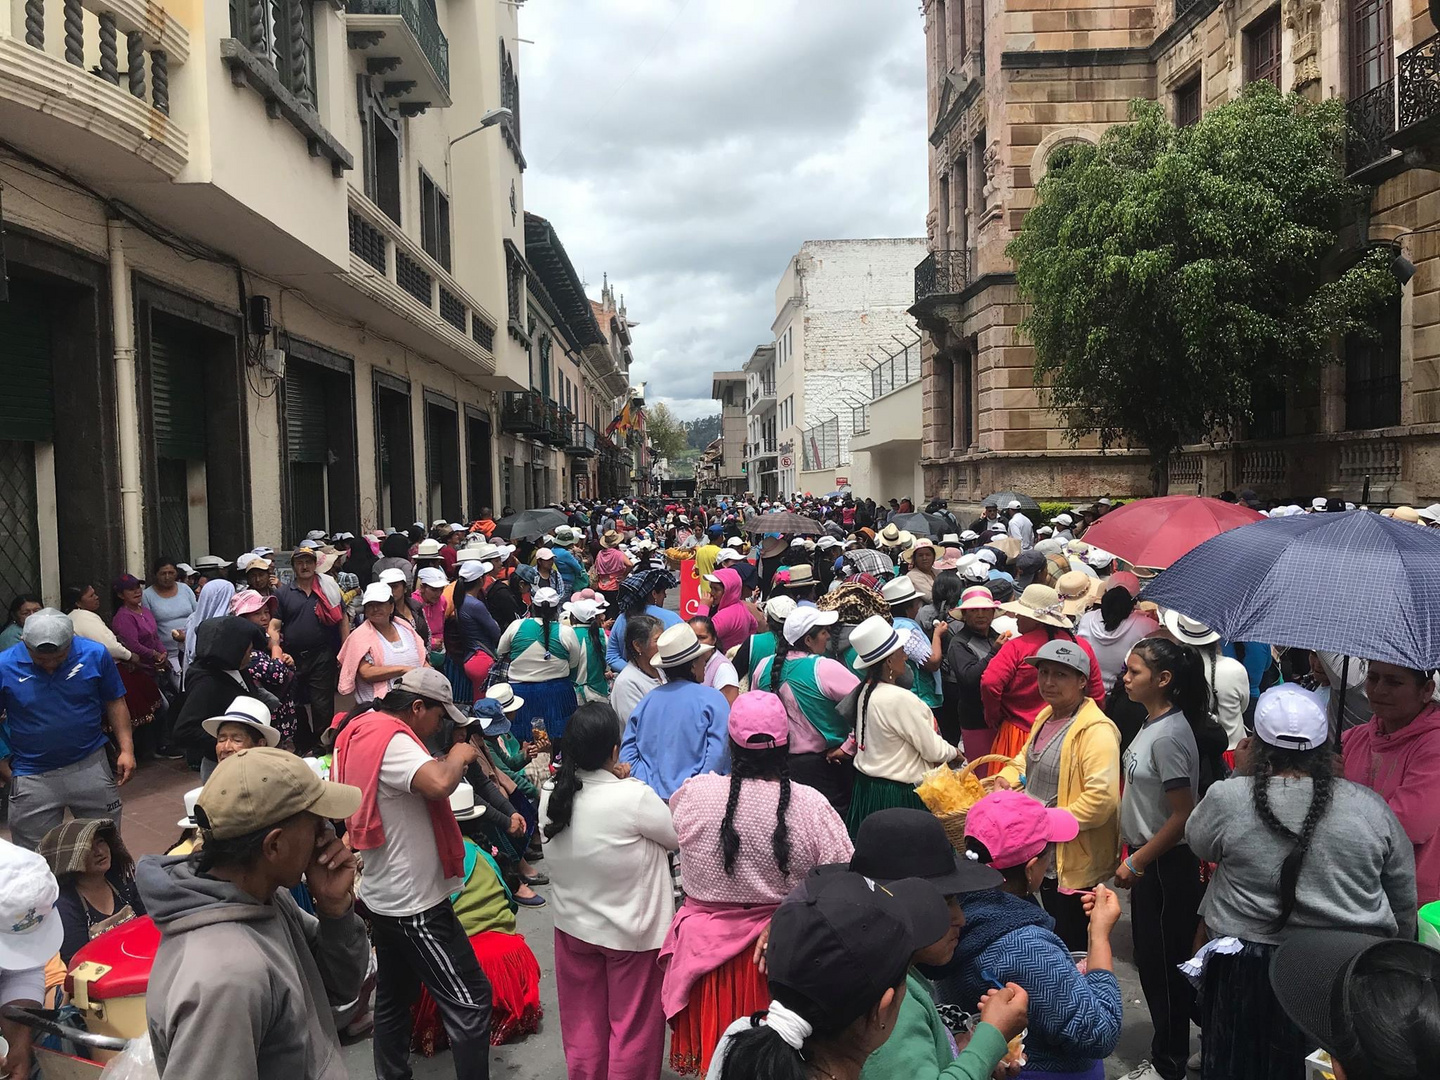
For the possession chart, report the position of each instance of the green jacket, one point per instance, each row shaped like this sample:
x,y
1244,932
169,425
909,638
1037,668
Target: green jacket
x,y
510,759
920,1048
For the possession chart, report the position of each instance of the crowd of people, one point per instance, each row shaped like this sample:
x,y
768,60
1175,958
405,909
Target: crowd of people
x,y
407,737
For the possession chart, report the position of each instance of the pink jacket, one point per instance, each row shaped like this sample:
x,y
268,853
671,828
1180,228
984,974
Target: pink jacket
x,y
364,641
733,620
1404,769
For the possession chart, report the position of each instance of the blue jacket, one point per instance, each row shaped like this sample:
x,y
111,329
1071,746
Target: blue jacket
x,y
615,645
570,569
679,730
1074,1019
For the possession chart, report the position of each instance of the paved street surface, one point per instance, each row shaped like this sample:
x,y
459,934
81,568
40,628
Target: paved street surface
x,y
154,802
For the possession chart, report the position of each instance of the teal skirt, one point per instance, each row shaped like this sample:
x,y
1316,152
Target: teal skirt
x,y
873,793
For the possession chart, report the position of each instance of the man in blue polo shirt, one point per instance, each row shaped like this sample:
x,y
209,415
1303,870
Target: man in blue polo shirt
x,y
57,691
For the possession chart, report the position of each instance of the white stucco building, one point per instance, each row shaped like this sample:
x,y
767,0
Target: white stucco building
x,y
840,308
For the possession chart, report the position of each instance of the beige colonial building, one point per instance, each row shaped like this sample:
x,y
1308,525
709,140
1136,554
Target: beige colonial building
x,y
1010,81
265,269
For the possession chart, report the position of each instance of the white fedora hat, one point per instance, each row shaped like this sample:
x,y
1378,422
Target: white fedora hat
x,y
873,640
679,645
1187,630
899,591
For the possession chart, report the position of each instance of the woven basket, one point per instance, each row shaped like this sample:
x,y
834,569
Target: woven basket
x,y
955,823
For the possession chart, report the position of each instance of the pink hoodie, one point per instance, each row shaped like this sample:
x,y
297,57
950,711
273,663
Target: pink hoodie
x,y
732,619
1404,769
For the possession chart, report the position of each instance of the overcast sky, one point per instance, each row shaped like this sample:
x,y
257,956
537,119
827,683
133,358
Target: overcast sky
x,y
688,148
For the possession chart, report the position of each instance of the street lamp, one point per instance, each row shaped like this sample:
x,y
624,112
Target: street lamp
x,y
490,119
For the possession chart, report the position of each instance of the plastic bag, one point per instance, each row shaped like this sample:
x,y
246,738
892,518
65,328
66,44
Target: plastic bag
x,y
135,1062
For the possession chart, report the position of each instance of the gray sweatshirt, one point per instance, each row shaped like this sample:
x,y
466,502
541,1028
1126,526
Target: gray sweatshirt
x,y
1358,874
242,990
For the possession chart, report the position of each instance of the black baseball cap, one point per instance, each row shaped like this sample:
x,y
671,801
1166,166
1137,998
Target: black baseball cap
x,y
1312,971
905,843
842,940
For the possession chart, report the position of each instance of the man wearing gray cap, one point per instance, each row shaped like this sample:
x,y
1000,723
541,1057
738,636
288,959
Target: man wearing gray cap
x,y
58,691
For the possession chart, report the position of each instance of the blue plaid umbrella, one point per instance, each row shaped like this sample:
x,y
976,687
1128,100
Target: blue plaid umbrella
x,y
1354,583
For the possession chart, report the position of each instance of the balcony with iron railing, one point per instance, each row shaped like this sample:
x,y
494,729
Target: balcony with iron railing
x,y
1418,72
762,394
582,441
97,74
524,413
1371,118
403,43
561,420
393,268
942,273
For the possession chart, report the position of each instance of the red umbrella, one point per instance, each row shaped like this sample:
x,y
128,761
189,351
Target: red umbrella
x,y
1156,532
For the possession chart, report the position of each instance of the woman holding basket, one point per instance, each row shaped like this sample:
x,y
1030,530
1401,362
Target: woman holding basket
x,y
1072,761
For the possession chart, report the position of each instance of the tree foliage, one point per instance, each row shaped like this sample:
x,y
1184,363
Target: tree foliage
x,y
1172,272
665,431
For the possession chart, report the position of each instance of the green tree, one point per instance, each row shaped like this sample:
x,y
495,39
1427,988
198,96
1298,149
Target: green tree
x,y
665,431
1173,272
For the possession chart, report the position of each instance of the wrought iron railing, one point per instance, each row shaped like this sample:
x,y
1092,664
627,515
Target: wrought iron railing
x,y
561,420
1372,122
1183,7
524,412
420,18
582,439
1419,70
942,273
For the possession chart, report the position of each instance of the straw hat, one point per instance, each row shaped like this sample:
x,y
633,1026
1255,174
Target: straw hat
x,y
900,591
976,598
1407,513
679,645
610,538
1041,604
1075,588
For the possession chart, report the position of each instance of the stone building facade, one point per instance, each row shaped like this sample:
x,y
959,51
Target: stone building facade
x,y
1011,81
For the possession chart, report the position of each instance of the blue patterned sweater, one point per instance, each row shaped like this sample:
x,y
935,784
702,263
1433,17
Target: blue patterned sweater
x,y
1074,1019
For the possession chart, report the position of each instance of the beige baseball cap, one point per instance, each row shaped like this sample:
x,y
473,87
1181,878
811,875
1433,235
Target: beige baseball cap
x,y
263,786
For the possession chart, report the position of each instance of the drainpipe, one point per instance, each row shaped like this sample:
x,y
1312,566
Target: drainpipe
x,y
122,321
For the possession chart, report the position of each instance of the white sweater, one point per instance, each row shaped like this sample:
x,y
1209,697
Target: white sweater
x,y
610,881
898,740
92,626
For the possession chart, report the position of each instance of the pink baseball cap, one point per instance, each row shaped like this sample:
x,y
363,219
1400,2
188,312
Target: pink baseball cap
x,y
1124,579
248,601
758,720
1015,828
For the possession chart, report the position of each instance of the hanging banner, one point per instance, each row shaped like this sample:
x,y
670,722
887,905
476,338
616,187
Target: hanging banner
x,y
692,591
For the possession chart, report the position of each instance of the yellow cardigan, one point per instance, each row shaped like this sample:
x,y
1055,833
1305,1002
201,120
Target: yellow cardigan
x,y
1089,789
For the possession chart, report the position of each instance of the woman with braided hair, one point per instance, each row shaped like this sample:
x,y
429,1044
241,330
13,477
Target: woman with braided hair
x,y
1344,864
772,832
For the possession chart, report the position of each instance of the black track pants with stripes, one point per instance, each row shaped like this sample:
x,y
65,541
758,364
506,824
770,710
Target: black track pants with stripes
x,y
429,948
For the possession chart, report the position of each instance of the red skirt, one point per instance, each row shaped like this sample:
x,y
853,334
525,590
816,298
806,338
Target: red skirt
x,y
514,976
142,694
1010,739
733,990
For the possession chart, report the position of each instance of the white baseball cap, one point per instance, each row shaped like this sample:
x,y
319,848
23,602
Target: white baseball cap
x,y
377,592
777,608
805,619
1290,718
432,576
30,928
392,575
471,570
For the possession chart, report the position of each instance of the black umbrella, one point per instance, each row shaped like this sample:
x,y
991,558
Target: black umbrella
x,y
1002,499
931,525
530,524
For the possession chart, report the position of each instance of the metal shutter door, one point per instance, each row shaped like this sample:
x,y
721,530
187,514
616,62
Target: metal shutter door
x,y
27,406
177,390
306,435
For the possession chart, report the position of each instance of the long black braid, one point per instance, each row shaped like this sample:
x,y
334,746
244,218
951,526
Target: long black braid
x,y
751,763
1318,764
777,662
872,680
546,614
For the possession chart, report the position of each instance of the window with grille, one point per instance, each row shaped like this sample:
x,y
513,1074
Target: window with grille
x,y
434,221
1372,48
1262,48
1372,374
284,37
1187,102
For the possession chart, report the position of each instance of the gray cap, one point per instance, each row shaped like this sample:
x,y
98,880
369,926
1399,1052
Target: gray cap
x,y
433,686
1064,652
48,629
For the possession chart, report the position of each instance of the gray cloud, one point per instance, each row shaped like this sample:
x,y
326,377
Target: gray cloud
x,y
688,148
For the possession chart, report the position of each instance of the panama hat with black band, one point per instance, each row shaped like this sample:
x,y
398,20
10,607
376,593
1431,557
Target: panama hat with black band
x,y
680,646
873,640
1188,631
